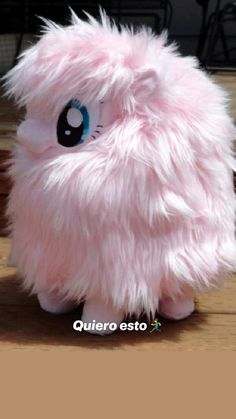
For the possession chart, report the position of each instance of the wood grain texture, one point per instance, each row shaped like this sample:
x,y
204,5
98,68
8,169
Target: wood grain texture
x,y
24,326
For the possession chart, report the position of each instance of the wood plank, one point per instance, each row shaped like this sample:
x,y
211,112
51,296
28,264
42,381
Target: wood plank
x,y
24,325
219,301
6,141
228,82
5,245
29,327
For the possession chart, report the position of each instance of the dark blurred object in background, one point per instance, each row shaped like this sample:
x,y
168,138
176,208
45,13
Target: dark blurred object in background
x,y
20,18
206,28
215,47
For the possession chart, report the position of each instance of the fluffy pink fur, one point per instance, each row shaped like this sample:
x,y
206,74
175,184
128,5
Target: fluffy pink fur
x,y
147,209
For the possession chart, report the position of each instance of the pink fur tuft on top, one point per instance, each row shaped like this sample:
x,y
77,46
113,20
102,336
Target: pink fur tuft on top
x,y
143,207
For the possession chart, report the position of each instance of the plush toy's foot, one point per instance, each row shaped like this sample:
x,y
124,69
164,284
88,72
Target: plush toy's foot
x,y
54,303
176,309
96,310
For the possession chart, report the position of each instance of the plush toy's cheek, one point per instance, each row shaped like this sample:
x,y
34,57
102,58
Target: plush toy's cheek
x,y
36,135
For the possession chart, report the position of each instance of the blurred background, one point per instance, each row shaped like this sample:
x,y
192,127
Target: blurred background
x,y
206,28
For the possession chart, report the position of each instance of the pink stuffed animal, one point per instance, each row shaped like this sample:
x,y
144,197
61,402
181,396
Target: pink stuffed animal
x,y
123,190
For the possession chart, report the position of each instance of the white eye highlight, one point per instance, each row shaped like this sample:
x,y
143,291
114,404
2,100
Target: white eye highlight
x,y
74,117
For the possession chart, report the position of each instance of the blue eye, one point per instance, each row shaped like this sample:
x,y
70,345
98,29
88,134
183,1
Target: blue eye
x,y
73,124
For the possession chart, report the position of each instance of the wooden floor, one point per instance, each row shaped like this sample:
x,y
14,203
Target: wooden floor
x,y
24,326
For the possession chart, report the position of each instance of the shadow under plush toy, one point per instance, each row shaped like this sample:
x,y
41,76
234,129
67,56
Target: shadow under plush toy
x,y
122,174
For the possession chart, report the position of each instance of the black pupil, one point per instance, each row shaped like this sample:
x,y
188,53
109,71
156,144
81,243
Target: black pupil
x,y
67,135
